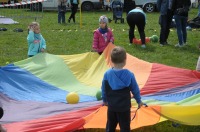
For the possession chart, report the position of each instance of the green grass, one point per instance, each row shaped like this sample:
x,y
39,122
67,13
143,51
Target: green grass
x,y
70,38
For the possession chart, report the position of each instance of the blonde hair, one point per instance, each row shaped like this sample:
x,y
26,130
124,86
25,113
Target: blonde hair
x,y
33,25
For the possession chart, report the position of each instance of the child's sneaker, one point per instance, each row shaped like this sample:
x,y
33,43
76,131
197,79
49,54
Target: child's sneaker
x,y
143,46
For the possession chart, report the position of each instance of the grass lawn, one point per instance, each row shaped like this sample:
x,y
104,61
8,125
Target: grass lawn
x,y
70,38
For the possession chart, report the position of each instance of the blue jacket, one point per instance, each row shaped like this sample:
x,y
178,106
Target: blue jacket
x,y
162,6
119,79
35,43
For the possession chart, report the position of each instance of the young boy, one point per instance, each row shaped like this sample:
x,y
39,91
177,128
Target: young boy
x,y
116,87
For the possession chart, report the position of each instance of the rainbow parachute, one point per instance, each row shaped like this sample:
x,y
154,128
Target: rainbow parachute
x,y
33,93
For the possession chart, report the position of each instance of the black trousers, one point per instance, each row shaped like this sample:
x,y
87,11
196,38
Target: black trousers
x,y
138,19
113,118
165,23
73,12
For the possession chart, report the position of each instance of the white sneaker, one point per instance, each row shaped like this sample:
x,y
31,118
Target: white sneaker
x,y
143,46
185,43
178,45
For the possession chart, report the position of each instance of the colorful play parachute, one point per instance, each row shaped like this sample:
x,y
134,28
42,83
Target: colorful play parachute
x,y
33,93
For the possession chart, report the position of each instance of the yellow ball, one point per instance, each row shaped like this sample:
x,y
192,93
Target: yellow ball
x,y
72,98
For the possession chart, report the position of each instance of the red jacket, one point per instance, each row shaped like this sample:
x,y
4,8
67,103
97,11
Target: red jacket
x,y
100,41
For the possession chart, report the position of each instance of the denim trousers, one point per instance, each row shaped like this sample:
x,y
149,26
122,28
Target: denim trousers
x,y
61,14
181,23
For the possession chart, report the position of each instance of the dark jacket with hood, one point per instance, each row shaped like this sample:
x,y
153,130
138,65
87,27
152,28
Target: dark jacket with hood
x,y
116,87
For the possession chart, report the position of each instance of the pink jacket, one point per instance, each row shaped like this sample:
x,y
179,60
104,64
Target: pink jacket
x,y
100,41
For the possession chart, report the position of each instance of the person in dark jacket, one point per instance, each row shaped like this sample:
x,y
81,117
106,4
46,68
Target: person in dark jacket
x,y
181,9
166,14
74,6
116,87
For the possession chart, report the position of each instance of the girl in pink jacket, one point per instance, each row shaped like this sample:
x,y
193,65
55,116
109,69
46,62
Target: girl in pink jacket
x,y
102,36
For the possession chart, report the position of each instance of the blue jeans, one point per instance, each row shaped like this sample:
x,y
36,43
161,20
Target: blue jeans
x,y
199,11
181,23
61,14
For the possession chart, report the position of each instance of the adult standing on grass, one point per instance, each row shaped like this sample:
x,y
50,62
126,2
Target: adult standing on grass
x,y
61,10
166,14
74,6
181,8
36,43
137,17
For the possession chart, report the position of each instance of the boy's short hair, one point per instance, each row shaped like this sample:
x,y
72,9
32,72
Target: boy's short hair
x,y
118,55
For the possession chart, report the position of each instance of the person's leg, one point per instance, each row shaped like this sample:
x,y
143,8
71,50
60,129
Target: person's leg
x,y
63,14
184,31
141,25
75,7
63,17
59,15
163,23
169,21
124,121
198,10
111,121
71,15
179,29
131,23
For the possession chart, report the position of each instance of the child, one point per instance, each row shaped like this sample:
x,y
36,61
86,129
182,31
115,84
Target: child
x,y
137,17
116,86
36,42
61,10
102,36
